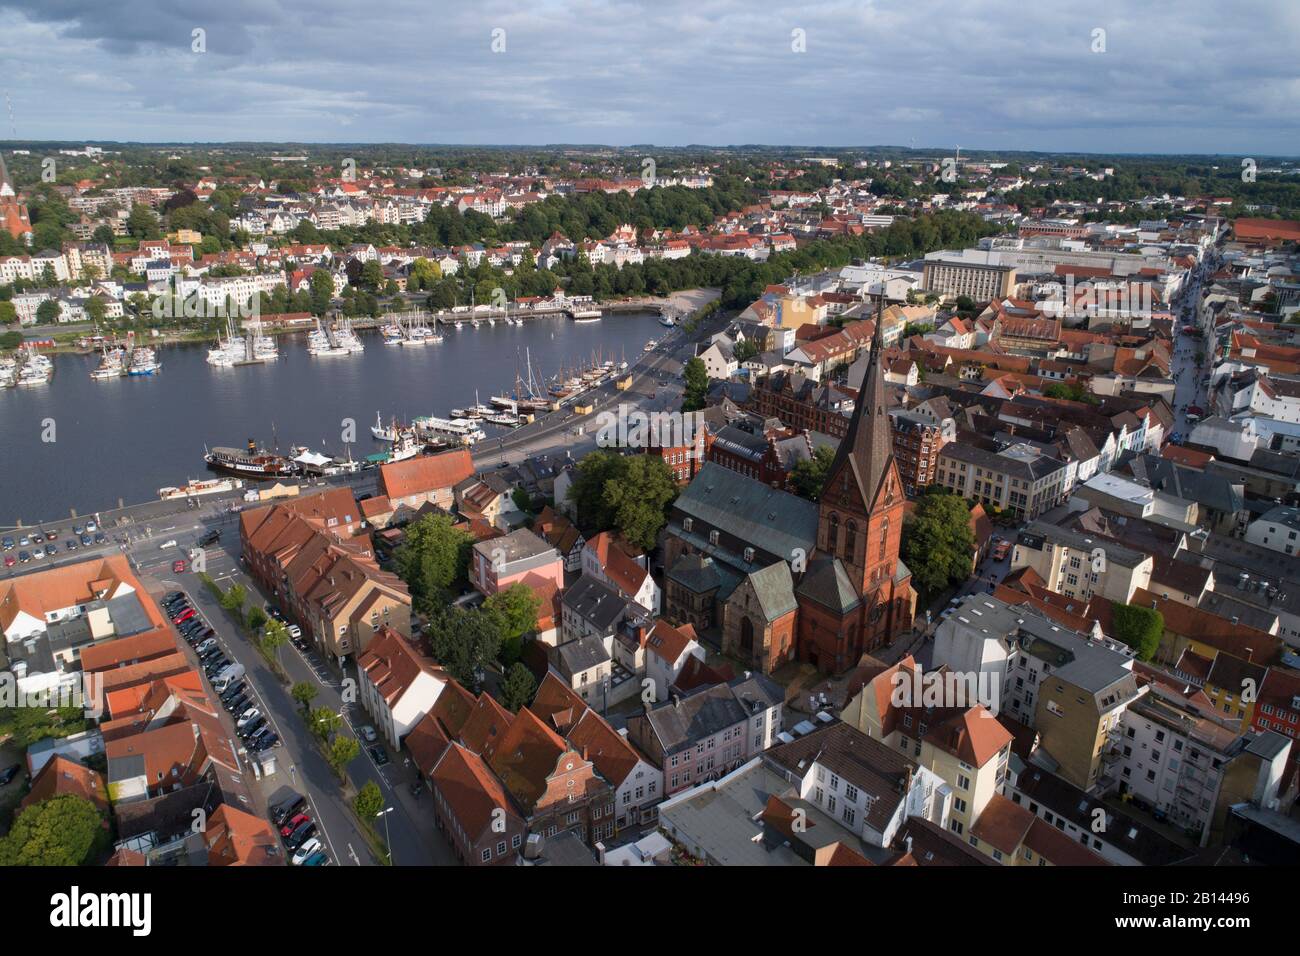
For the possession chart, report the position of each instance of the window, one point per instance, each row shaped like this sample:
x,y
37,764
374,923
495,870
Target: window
x,y
487,854
713,537
515,841
687,523
501,848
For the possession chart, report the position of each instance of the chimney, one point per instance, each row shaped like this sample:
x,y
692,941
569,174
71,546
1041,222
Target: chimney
x,y
908,842
600,852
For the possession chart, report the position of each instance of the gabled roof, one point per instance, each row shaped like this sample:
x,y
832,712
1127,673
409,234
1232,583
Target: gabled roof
x,y
470,789
773,586
60,776
425,474
526,756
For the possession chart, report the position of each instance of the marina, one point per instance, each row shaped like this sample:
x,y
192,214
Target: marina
x,y
162,422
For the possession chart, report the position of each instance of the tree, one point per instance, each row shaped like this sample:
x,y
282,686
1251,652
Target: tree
x,y
1139,627
303,693
256,618
938,541
696,377
9,316
368,801
324,722
809,475
515,608
142,223
233,601
465,643
47,313
63,831
321,290
275,637
341,753
640,497
433,556
518,687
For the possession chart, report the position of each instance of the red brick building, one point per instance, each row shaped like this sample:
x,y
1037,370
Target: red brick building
x,y
856,595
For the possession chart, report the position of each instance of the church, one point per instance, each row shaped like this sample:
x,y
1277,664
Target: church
x,y
13,214
785,579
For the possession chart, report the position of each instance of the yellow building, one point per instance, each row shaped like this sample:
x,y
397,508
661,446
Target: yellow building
x,y
1233,687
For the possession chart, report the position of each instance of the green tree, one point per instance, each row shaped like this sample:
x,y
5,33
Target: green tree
x,y
640,497
696,377
324,722
938,542
1139,627
142,223
465,642
321,290
256,618
47,313
518,687
63,831
233,601
809,476
368,801
433,556
303,693
515,608
341,753
275,637
9,316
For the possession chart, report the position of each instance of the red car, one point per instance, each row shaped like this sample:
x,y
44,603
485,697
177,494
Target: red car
x,y
178,566
1195,410
294,824
184,617
9,561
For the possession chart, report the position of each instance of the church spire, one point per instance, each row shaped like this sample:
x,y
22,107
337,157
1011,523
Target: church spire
x,y
867,448
6,184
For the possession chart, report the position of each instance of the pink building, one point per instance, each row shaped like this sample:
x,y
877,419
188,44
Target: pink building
x,y
500,562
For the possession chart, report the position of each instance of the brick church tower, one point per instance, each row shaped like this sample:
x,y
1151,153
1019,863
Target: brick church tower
x,y
856,595
13,214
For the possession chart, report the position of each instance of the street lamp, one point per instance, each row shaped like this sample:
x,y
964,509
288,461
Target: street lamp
x,y
387,841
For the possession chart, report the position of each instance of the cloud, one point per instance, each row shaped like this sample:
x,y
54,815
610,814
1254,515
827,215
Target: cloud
x,y
992,73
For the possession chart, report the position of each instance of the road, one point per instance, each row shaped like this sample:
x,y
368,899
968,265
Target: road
x,y
414,840
1187,373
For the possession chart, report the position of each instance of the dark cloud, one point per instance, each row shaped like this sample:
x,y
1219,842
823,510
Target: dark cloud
x,y
1185,77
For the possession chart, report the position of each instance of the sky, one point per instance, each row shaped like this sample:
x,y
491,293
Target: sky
x,y
1052,75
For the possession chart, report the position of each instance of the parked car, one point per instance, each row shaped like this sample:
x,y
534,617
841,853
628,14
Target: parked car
x,y
210,642
239,702
8,544
294,630
87,540
38,538
247,717
301,835
368,734
38,553
319,858
10,560
289,806
232,692
294,823
183,616
267,741
252,727
8,773
380,755
70,544
212,537
307,849
91,527
24,557
101,538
